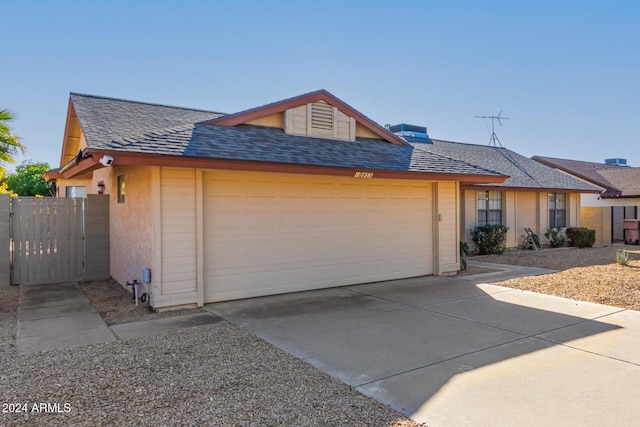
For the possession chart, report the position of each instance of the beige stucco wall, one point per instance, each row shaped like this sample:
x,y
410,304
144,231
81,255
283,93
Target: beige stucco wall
x,y
520,210
598,219
62,184
131,227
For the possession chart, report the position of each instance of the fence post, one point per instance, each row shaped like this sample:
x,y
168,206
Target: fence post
x,y
5,229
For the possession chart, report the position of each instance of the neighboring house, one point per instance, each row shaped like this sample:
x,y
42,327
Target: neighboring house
x,y
619,194
301,194
534,196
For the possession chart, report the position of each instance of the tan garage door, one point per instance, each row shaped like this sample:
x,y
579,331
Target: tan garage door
x,y
274,233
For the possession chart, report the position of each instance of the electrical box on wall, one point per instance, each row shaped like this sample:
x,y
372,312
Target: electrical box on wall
x,y
146,275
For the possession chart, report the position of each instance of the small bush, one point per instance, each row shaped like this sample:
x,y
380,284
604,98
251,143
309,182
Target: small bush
x,y
464,254
556,238
490,238
581,237
622,257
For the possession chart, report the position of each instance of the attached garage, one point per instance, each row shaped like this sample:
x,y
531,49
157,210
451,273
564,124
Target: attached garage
x,y
267,233
305,193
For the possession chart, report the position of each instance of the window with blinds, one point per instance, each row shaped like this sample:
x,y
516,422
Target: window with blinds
x,y
489,207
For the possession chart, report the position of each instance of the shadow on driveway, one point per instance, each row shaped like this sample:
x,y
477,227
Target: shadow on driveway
x,y
449,351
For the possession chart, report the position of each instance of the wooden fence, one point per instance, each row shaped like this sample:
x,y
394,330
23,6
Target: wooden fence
x,y
53,239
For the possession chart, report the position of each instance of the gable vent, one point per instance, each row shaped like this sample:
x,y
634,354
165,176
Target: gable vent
x,y
321,116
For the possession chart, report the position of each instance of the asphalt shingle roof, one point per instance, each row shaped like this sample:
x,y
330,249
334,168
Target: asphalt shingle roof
x,y
254,143
626,180
105,119
582,169
618,181
523,172
112,124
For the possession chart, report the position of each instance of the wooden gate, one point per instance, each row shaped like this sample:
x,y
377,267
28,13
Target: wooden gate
x,y
47,240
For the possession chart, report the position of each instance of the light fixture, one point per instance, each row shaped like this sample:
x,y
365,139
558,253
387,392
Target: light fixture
x,y
101,187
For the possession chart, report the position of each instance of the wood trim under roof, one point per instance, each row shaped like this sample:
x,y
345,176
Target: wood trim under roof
x,y
471,186
91,162
73,135
320,95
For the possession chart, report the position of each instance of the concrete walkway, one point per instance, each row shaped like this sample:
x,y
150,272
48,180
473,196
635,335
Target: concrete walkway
x,y
59,315
504,272
453,351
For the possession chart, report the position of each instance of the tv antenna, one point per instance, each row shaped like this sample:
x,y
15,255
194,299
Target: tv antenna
x,y
494,140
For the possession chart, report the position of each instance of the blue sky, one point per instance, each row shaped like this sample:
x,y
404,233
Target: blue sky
x,y
565,72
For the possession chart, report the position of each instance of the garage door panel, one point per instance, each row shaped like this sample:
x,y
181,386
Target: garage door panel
x,y
221,219
294,218
293,189
261,189
227,187
288,233
350,216
263,216
349,191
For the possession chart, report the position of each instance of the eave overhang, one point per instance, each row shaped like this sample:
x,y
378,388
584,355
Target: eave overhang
x,y
472,186
52,175
90,162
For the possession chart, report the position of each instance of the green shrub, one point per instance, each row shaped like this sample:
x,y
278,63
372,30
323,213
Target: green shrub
x,y
622,257
581,237
464,254
556,239
490,238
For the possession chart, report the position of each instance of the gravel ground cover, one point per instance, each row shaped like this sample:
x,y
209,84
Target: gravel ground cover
x,y
115,304
589,274
207,375
221,375
9,298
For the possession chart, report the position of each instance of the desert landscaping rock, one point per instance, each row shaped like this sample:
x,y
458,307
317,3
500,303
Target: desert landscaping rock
x,y
219,374
589,274
116,306
214,374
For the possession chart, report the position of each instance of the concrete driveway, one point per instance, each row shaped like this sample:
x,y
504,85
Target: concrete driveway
x,y
452,351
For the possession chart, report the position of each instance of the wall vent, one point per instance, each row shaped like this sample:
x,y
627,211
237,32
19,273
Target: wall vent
x,y
321,116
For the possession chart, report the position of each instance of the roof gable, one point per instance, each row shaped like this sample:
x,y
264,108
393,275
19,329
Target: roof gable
x,y
310,114
74,139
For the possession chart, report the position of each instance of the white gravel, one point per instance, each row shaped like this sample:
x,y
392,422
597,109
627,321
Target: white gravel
x,y
208,375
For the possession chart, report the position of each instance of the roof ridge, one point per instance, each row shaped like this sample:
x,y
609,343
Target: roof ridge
x,y
467,143
86,95
596,165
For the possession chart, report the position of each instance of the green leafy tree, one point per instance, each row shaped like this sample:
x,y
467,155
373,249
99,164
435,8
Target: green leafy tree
x,y
28,180
9,143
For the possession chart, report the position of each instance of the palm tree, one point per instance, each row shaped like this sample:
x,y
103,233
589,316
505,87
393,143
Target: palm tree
x,y
9,143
